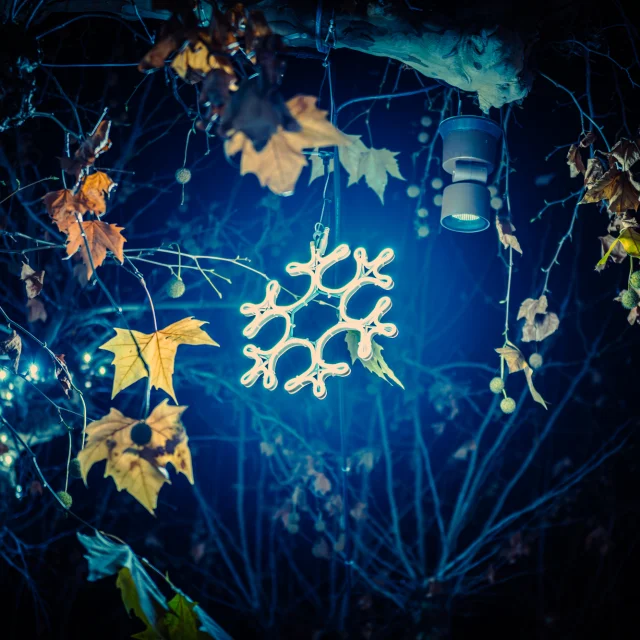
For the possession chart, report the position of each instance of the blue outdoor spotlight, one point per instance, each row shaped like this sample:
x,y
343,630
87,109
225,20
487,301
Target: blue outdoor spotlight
x,y
469,149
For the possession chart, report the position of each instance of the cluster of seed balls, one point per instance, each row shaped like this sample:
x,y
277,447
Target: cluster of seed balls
x,y
630,298
507,404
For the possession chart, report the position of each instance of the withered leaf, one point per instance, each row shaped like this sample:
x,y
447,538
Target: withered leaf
x,y
626,153
93,191
86,154
539,323
574,160
62,207
139,469
101,237
376,364
611,248
618,188
12,347
279,164
33,280
62,375
506,234
516,362
593,172
36,311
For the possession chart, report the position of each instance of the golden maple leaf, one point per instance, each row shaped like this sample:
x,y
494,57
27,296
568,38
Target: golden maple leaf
x,y
279,164
196,60
139,469
100,238
158,351
93,190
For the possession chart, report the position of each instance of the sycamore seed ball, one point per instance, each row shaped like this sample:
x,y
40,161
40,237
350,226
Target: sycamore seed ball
x,y
141,433
426,121
437,199
413,191
535,361
629,299
423,137
422,212
496,203
75,471
183,175
634,280
496,385
65,498
175,287
508,405
437,183
423,231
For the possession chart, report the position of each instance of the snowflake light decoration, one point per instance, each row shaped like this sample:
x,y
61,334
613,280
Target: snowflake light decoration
x,y
367,272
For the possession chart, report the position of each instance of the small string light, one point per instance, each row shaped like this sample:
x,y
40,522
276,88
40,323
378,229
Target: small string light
x,y
8,460
87,384
3,437
33,370
86,357
3,374
102,371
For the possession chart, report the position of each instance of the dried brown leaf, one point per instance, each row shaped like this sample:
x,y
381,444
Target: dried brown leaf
x,y
506,234
12,347
101,237
33,280
36,311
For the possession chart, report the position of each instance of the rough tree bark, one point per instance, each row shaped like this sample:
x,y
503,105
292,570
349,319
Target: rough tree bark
x,y
468,47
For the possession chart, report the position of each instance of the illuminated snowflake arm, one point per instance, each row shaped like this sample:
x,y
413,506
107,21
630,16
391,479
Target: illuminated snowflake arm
x,y
265,360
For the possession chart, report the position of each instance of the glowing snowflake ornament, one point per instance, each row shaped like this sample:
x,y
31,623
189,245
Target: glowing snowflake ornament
x,y
367,272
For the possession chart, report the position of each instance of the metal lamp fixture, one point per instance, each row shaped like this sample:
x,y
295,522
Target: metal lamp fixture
x,y
469,149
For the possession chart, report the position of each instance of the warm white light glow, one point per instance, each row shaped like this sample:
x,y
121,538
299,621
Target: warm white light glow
x,y
8,395
86,357
3,437
87,384
102,370
33,370
8,459
265,360
465,217
3,374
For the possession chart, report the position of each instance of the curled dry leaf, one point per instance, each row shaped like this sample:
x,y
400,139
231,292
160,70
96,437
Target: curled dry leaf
x,y
100,238
506,234
95,145
593,173
359,511
611,249
626,244
574,160
376,364
539,323
93,191
618,188
321,484
62,207
195,60
139,469
12,347
279,164
62,375
516,362
36,311
33,280
133,349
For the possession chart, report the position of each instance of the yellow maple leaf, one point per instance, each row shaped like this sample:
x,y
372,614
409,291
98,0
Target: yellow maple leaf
x,y
358,160
93,190
100,238
279,164
196,60
158,351
139,469
376,364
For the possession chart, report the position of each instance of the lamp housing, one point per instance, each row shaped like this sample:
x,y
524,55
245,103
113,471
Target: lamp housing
x,y
468,154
